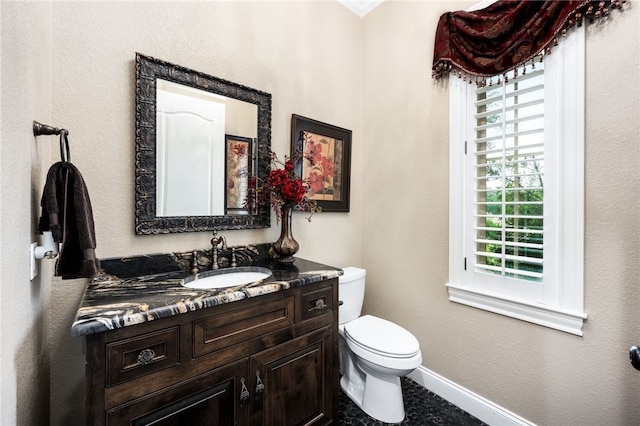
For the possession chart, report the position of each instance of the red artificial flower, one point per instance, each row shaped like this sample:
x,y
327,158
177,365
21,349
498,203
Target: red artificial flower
x,y
277,177
283,189
293,191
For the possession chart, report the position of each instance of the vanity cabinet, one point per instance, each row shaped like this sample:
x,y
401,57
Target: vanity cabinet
x,y
266,360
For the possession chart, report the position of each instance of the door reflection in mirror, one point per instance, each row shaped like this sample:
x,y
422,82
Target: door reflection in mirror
x,y
191,156
190,151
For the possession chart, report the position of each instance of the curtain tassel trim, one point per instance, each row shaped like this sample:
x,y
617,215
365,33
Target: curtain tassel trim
x,y
446,64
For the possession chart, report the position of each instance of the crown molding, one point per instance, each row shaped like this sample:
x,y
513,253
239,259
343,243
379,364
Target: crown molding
x,y
361,7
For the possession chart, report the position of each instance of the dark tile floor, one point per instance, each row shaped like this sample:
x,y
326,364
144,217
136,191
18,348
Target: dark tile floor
x,y
422,407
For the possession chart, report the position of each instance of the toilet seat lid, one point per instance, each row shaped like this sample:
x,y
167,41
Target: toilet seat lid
x,y
382,337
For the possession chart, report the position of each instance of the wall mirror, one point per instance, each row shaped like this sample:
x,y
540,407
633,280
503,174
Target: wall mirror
x,y
199,141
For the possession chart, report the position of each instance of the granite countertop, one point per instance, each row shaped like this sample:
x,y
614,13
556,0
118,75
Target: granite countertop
x,y
112,302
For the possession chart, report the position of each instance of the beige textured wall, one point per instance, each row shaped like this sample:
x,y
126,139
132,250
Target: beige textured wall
x,y
546,376
26,96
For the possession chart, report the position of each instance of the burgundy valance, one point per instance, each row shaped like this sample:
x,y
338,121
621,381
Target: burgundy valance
x,y
507,34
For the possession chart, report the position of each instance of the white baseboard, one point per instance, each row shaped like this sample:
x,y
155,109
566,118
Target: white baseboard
x,y
477,406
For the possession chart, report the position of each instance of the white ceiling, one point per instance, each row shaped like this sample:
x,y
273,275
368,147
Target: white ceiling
x,y
361,7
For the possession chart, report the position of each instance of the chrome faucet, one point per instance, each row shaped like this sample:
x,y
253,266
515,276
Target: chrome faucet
x,y
215,242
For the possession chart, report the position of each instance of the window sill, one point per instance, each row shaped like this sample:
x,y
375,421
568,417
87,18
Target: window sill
x,y
569,322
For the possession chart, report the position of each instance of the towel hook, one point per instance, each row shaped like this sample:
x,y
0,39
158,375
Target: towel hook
x,y
40,129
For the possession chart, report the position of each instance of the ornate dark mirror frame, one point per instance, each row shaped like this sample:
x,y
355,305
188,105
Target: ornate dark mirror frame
x,y
148,70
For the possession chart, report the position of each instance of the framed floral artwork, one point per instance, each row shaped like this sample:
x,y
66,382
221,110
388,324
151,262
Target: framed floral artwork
x,y
238,155
326,162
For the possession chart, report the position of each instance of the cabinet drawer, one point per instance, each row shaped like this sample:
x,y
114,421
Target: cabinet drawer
x,y
221,331
316,302
131,358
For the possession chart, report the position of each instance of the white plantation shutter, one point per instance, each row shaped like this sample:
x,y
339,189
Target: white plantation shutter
x,y
509,176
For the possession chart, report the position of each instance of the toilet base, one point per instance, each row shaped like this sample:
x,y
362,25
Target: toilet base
x,y
383,399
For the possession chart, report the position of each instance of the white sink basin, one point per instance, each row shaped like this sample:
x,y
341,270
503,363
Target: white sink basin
x,y
223,278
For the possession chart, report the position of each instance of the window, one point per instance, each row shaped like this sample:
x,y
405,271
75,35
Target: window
x,y
516,191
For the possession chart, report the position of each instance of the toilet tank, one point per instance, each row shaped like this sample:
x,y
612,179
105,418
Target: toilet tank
x,y
351,293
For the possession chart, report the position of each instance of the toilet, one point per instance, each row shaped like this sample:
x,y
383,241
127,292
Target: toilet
x,y
374,353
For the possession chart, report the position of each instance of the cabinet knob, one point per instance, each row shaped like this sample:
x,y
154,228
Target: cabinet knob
x,y
146,356
320,304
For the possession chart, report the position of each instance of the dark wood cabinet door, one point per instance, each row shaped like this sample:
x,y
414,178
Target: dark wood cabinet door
x,y
291,383
212,399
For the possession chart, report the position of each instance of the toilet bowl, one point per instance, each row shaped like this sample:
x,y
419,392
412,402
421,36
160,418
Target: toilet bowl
x,y
374,353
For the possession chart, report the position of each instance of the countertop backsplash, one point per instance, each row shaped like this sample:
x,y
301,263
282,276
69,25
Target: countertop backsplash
x,y
135,266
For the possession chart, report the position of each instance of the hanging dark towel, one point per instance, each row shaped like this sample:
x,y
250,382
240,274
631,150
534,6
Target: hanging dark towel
x,y
67,213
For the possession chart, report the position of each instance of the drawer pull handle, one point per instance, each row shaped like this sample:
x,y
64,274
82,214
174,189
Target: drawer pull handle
x,y
320,304
244,394
259,387
146,356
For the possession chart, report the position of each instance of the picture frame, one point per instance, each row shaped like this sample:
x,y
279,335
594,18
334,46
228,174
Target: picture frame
x,y
329,176
238,151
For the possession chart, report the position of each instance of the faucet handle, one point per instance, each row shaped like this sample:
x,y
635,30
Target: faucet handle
x,y
194,263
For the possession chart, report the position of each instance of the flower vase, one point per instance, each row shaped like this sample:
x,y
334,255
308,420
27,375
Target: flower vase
x,y
286,246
